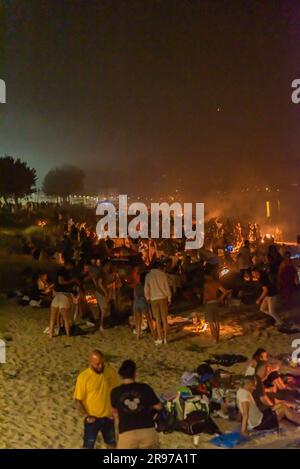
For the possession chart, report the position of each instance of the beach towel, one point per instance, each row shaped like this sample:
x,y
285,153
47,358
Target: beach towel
x,y
226,359
228,440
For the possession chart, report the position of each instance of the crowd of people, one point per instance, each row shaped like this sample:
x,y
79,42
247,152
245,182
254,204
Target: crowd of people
x,y
156,273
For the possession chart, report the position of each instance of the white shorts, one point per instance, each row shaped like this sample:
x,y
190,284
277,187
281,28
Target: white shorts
x,y
60,301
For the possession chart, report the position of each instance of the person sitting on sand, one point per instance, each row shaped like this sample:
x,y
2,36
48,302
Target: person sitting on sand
x,y
92,398
253,419
260,355
272,380
133,407
212,301
262,398
45,288
271,388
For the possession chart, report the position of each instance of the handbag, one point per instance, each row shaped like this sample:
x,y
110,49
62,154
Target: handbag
x,y
196,403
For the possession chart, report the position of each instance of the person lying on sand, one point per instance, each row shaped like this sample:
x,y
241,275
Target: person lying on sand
x,y
253,419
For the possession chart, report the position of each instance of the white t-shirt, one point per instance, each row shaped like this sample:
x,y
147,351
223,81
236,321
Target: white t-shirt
x,y
250,371
255,415
157,286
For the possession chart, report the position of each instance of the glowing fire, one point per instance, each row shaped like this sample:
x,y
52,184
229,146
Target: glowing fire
x,y
237,247
42,223
198,324
90,299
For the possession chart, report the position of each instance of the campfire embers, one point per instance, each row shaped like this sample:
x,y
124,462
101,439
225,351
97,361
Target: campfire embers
x,y
42,223
198,325
90,299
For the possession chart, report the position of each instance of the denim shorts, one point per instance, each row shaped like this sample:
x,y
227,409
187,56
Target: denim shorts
x,y
105,426
140,305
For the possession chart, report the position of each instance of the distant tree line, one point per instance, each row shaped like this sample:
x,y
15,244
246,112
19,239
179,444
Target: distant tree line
x,y
18,180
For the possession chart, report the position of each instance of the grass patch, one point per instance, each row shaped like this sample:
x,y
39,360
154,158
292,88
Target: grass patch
x,y
12,266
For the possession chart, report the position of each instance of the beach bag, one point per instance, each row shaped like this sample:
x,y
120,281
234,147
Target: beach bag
x,y
204,369
197,422
166,420
184,392
196,403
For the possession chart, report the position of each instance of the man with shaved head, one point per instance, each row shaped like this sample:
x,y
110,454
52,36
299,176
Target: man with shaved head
x,y
92,398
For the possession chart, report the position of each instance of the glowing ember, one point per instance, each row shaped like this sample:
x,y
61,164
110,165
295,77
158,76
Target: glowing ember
x,y
90,299
237,247
42,223
198,324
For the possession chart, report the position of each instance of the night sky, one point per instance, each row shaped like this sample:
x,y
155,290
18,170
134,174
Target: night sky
x,y
151,96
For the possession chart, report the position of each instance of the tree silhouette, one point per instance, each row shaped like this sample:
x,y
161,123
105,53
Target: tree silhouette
x,y
64,181
17,179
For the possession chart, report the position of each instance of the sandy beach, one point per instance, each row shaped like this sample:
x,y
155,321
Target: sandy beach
x,y
37,382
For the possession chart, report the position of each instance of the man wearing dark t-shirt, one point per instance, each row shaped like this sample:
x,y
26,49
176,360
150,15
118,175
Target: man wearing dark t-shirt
x,y
268,297
65,280
134,405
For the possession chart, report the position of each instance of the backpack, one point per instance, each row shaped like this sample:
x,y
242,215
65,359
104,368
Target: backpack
x,y
204,369
166,420
197,422
205,372
196,403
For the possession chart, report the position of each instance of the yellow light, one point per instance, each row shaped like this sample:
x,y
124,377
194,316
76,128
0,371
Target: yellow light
x,y
268,209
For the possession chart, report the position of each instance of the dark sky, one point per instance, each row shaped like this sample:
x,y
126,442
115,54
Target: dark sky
x,y
129,90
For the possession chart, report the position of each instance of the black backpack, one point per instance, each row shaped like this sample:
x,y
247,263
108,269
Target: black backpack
x,y
197,422
204,369
166,420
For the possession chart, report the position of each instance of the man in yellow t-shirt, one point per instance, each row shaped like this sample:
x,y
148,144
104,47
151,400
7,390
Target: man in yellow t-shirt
x,y
92,397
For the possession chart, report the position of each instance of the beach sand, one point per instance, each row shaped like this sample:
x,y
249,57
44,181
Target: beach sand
x,y
37,382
